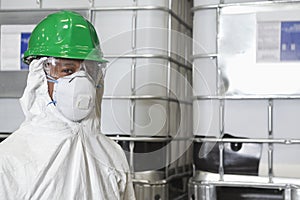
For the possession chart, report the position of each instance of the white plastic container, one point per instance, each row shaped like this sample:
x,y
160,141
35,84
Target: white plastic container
x,y
242,1
115,117
10,43
151,117
15,4
205,31
161,3
113,3
124,3
147,32
206,120
246,118
150,77
240,30
285,126
142,32
65,4
114,29
285,119
205,2
214,2
204,77
179,7
11,115
118,77
286,161
152,34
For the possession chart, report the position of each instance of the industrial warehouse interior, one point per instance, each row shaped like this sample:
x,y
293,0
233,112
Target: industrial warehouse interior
x,y
202,96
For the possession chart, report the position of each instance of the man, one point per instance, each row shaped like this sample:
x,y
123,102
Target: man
x,y
58,152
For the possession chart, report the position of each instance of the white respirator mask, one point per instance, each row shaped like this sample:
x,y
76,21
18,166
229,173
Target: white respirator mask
x,y
74,96
75,85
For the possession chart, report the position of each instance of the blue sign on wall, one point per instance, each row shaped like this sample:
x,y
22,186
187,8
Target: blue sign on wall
x,y
290,41
24,44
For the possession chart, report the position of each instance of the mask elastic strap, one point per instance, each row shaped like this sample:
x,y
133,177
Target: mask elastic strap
x,y
98,86
51,79
51,102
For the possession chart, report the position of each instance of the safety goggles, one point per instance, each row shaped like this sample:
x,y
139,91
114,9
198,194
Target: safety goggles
x,y
57,68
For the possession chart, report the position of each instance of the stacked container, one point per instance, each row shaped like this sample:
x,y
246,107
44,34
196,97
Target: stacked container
x,y
245,85
147,105
147,100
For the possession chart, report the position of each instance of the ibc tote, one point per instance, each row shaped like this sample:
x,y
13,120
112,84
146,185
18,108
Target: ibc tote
x,y
245,84
147,97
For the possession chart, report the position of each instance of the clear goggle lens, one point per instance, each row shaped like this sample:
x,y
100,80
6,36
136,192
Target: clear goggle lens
x,y
58,68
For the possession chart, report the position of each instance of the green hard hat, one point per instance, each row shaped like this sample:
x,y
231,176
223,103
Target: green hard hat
x,y
64,34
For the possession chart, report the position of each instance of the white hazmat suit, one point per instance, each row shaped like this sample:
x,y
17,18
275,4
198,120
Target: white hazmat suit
x,y
50,157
